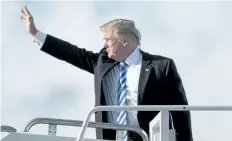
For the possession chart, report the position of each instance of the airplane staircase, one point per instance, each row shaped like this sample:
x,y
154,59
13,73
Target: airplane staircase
x,y
158,127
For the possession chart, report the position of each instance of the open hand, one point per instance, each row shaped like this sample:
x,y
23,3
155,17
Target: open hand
x,y
29,22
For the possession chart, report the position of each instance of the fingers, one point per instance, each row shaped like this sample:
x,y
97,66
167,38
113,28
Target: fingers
x,y
23,12
23,18
27,11
26,15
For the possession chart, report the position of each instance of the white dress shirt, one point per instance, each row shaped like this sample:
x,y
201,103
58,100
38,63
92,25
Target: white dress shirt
x,y
132,76
111,85
133,72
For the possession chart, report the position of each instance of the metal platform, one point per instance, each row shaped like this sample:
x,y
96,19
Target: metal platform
x,y
158,127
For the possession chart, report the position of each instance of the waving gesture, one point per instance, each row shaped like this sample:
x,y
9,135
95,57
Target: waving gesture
x,y
29,22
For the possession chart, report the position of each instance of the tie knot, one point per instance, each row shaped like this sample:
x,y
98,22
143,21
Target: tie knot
x,y
124,65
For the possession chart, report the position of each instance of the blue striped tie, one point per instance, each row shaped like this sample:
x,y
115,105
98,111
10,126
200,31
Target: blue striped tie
x,y
122,115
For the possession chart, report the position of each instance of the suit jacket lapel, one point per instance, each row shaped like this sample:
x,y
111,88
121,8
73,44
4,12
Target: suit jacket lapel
x,y
144,75
107,66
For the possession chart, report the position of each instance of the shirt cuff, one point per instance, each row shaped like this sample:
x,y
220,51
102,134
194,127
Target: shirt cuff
x,y
39,38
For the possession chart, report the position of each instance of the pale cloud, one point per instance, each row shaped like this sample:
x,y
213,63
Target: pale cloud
x,y
197,35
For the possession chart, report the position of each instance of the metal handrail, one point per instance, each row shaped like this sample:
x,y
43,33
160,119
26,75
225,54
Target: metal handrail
x,y
149,108
6,128
79,123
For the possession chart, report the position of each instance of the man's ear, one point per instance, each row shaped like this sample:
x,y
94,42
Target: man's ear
x,y
125,42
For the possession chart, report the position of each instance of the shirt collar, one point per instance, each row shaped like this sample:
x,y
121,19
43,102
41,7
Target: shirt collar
x,y
134,57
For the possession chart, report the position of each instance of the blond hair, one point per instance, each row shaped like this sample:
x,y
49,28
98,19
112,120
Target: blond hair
x,y
122,27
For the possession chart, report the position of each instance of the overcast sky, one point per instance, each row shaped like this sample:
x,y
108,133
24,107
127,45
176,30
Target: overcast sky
x,y
197,35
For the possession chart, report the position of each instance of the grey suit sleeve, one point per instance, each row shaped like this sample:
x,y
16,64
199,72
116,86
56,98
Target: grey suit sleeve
x,y
175,89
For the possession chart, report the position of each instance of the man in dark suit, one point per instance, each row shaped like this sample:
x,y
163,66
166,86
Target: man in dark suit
x,y
123,75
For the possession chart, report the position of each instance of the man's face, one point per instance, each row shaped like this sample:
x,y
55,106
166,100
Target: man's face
x,y
113,47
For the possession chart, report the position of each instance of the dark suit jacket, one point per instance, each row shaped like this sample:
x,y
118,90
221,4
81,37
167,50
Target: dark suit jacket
x,y
160,85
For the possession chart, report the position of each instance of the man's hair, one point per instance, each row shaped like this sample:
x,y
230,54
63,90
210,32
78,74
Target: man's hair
x,y
122,27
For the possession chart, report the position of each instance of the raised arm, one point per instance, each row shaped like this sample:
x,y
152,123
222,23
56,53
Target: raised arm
x,y
65,51
58,48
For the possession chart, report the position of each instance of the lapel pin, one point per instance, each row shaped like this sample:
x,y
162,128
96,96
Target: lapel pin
x,y
147,70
